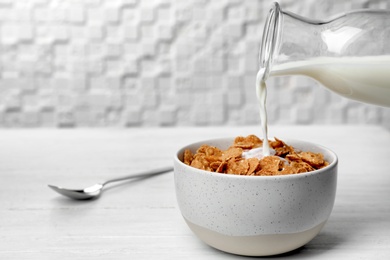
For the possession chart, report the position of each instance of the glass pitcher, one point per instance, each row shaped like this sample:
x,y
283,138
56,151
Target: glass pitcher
x,y
348,54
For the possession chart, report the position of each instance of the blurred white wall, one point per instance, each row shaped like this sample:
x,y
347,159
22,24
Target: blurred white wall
x,y
99,63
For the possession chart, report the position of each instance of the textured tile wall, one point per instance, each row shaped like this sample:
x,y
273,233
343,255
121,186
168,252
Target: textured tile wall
x,y
99,63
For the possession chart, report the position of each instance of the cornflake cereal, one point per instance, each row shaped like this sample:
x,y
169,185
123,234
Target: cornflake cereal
x,y
286,160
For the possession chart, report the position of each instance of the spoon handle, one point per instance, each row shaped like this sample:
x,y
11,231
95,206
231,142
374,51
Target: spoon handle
x,y
142,174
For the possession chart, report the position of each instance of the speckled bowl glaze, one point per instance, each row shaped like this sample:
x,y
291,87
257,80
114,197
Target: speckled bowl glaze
x,y
255,215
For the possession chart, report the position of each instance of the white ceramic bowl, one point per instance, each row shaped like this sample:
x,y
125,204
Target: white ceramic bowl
x,y
255,215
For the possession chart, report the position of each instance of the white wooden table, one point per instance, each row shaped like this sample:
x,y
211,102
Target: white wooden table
x,y
140,219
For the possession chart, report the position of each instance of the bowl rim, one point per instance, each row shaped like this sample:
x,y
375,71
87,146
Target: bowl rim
x,y
333,164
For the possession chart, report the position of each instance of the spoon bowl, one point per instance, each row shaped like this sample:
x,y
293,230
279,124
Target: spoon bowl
x,y
84,194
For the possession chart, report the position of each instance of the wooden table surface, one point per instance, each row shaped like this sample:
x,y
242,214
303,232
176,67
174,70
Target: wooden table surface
x,y
140,219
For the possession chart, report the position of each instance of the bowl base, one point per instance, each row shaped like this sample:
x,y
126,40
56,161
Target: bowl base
x,y
261,245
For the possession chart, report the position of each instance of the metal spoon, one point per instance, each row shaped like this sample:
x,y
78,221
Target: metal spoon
x,y
95,190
